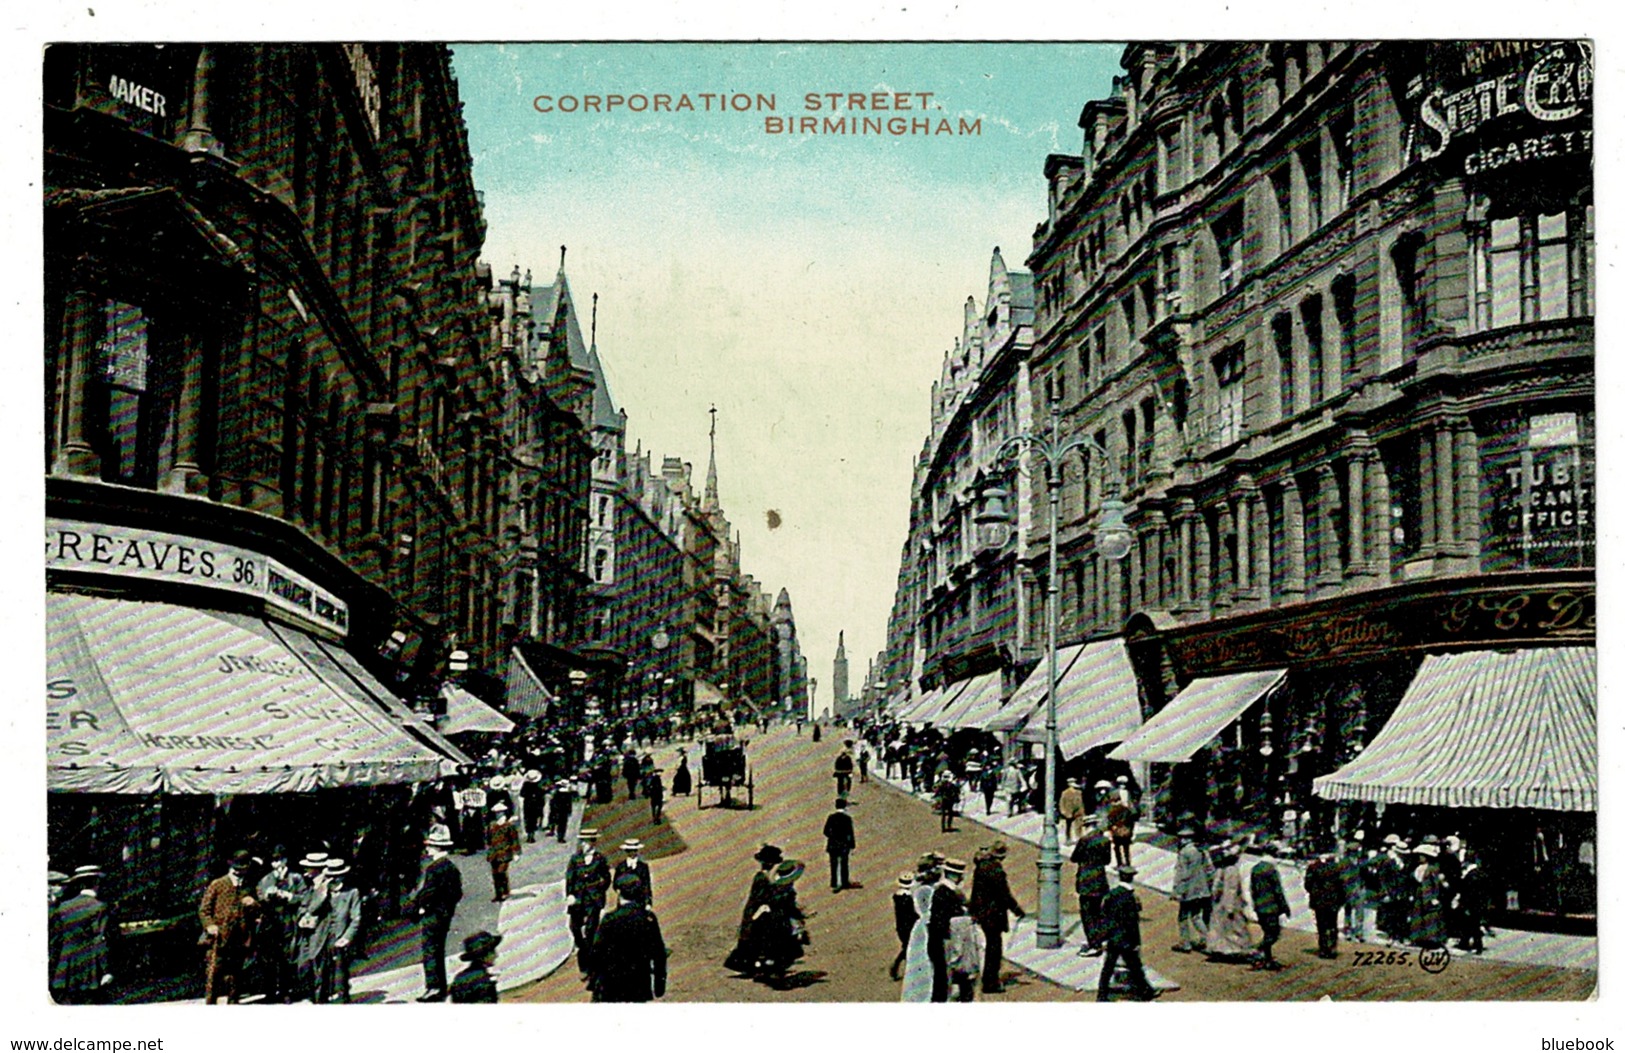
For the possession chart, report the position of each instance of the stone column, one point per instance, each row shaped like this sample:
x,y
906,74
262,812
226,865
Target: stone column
x,y
1379,503
1224,589
186,476
1426,543
1156,530
1357,567
1468,514
1331,499
1262,557
1292,517
1203,598
1444,479
75,455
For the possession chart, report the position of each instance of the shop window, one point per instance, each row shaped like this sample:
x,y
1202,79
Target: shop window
x,y
1533,268
1228,369
1537,477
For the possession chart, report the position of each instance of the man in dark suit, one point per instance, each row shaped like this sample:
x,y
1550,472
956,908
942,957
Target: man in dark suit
x,y
1121,922
1269,904
840,838
991,904
436,898
1323,883
80,960
586,885
947,903
475,984
1092,853
628,953
635,865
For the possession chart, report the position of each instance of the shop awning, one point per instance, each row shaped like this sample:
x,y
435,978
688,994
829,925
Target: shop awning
x,y
157,698
1030,695
527,695
351,674
977,703
1485,730
707,694
937,703
465,713
1098,700
1196,715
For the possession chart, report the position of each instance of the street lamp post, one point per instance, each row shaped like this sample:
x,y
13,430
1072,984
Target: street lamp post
x,y
1113,540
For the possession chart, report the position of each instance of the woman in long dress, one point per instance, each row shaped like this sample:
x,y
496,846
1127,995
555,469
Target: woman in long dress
x,y
682,781
917,961
1228,938
745,954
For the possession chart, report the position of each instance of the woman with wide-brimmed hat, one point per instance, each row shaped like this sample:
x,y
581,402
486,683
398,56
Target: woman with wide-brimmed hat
x,y
775,929
742,958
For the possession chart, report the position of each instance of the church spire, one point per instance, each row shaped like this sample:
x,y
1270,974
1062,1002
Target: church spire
x,y
711,498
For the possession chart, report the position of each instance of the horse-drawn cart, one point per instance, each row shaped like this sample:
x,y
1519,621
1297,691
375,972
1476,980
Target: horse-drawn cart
x,y
724,767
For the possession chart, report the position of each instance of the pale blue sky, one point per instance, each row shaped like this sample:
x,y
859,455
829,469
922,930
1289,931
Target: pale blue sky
x,y
807,285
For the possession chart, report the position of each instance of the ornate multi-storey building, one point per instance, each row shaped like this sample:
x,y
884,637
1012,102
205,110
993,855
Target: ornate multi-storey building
x,y
273,444
1328,308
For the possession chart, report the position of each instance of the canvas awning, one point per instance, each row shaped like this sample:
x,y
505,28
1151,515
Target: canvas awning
x,y
1098,700
1485,729
937,703
1196,715
465,713
527,695
157,698
978,702
1030,695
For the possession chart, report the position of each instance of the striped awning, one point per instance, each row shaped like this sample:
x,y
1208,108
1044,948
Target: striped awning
x,y
1485,730
978,702
1196,715
1098,700
906,711
465,713
1030,695
526,695
931,710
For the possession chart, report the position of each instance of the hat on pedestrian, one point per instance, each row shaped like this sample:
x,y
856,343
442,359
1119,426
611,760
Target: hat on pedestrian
x,y
86,875
530,776
337,868
587,833
631,844
1430,839
1103,785
953,866
769,854
1186,831
316,860
1425,849
1392,839
439,839
279,852
240,860
480,946
1071,782
905,880
1401,847
1359,835
1122,779
56,877
840,802
786,872
499,807
628,886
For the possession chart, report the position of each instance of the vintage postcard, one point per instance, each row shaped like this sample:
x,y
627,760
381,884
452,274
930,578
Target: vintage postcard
x,y
556,523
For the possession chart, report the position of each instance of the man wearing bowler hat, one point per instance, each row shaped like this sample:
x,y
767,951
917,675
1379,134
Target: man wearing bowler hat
x,y
840,838
225,913
501,848
475,984
80,960
1122,925
635,865
439,891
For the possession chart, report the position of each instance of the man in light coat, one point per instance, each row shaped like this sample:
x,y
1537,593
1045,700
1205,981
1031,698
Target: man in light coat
x,y
1193,890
